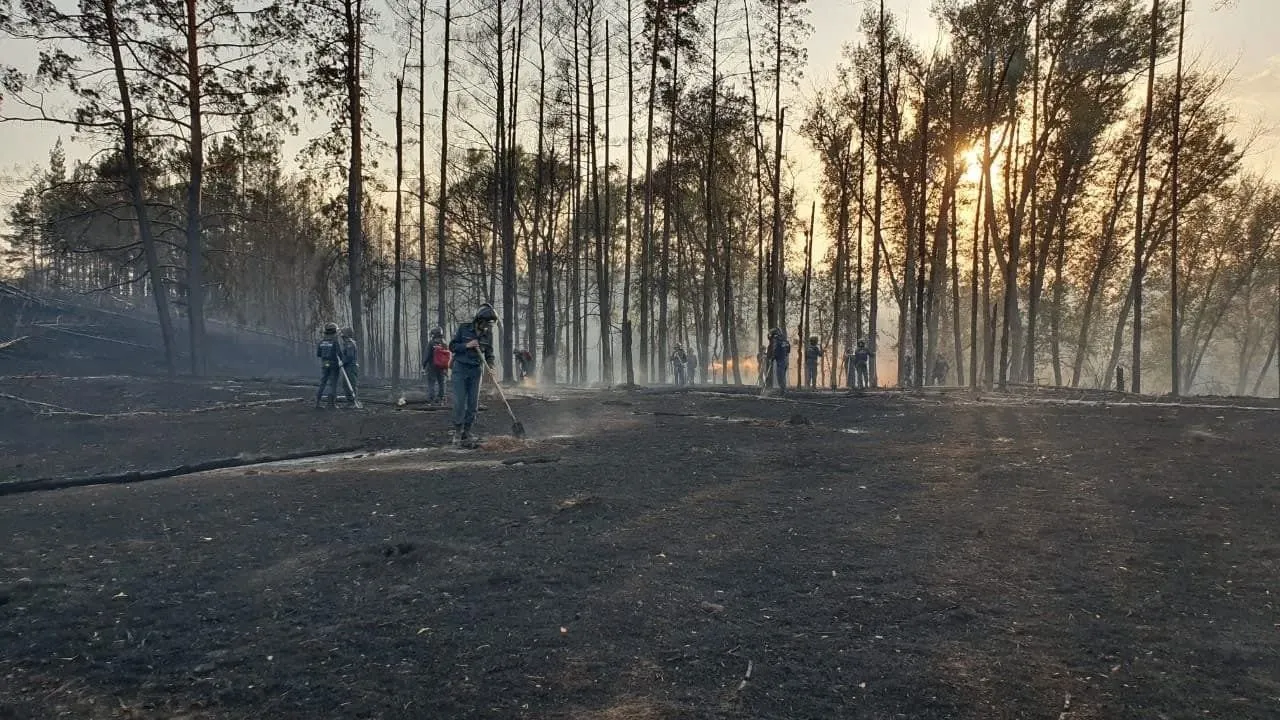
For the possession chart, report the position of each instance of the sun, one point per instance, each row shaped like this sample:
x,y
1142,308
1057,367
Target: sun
x,y
971,161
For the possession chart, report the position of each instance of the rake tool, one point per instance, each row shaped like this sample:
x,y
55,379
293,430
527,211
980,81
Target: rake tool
x,y
517,427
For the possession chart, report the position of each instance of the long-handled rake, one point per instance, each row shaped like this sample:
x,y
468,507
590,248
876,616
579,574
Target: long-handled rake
x,y
517,427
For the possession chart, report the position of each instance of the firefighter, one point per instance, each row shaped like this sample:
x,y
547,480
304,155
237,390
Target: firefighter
x,y
941,368
861,365
679,363
436,361
350,362
472,348
779,358
812,355
329,351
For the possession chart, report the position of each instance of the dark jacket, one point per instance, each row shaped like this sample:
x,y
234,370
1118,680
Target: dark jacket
x,y
328,350
811,354
465,356
861,356
350,353
780,351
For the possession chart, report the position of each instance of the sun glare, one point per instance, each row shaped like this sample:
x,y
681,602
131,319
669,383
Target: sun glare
x,y
972,163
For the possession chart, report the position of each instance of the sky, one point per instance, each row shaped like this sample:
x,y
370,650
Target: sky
x,y
1238,37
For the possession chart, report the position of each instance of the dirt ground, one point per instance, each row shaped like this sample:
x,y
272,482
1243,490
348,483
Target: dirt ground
x,y
643,556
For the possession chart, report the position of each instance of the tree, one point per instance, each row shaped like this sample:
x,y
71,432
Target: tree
x,y
98,30
335,82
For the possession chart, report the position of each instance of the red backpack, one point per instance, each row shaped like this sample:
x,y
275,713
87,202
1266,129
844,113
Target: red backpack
x,y
441,358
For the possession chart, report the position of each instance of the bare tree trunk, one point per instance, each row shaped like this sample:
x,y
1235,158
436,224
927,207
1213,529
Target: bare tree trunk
x,y
354,16
808,278
669,202
628,358
603,280
708,255
921,251
442,202
397,297
1175,329
757,138
1139,250
574,303
646,262
423,308
133,179
539,193
862,208
873,329
839,271
195,149
777,271
549,287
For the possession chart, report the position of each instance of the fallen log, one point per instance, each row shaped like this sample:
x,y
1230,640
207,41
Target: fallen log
x,y
49,408
10,343
42,484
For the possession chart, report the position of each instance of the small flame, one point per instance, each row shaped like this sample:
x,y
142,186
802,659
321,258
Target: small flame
x,y
747,365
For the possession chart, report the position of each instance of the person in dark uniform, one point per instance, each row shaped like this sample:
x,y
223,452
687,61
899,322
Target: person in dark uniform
x,y
941,368
329,351
779,358
350,361
679,364
472,348
861,365
436,361
812,356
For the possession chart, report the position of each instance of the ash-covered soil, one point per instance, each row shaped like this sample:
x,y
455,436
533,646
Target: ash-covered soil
x,y
643,555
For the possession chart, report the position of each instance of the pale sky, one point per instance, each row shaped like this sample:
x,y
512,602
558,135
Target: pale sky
x,y
1240,38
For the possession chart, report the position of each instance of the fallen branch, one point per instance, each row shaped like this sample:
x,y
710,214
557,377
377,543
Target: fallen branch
x,y
10,343
55,328
48,408
239,406
24,486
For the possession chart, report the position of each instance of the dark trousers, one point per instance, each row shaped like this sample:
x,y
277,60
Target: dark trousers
x,y
780,375
435,385
331,377
811,375
466,394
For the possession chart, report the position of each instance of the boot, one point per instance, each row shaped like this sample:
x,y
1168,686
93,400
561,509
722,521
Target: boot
x,y
468,437
318,406
455,437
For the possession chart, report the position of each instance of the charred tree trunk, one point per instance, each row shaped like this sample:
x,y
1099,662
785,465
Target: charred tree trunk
x,y
195,185
443,197
628,357
423,309
133,180
1175,328
1139,248
668,209
354,78
397,297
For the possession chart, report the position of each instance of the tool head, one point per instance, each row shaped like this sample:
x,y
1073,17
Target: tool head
x,y
517,429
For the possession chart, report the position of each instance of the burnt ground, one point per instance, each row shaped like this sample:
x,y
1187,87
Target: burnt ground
x,y
644,556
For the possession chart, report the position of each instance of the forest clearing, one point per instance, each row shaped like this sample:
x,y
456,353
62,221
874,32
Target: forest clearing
x,y
1022,255
704,553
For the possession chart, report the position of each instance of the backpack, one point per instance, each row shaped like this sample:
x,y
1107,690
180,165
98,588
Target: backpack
x,y
441,358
